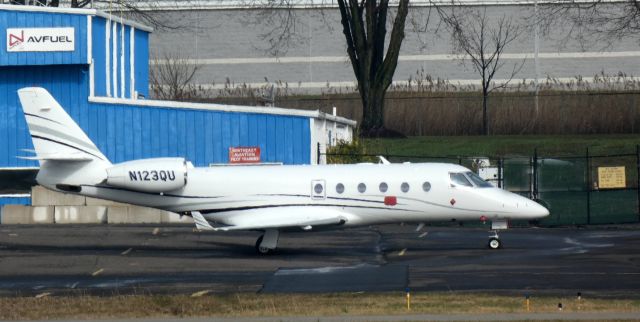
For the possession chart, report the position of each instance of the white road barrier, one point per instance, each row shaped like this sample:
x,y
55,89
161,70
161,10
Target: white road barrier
x,y
49,207
41,196
20,214
80,214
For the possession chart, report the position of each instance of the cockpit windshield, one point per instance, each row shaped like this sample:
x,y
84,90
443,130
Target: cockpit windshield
x,y
459,179
477,181
467,178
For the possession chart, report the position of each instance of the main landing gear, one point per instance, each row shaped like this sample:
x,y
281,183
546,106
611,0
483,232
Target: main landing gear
x,y
267,243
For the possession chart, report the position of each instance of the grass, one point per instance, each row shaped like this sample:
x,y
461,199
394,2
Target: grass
x,y
250,305
506,145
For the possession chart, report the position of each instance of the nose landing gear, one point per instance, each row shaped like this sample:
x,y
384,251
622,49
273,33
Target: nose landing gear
x,y
494,240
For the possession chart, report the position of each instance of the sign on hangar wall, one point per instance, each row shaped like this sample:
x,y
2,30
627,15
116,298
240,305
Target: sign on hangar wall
x,y
40,39
250,154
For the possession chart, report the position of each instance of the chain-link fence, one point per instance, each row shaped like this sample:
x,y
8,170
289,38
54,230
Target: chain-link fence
x,y
577,190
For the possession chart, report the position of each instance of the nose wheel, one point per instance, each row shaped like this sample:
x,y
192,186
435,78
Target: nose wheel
x,y
494,241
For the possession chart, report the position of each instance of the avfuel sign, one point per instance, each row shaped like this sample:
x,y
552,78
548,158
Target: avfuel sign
x,y
40,39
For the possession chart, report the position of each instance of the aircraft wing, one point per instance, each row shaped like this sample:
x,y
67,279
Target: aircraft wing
x,y
305,218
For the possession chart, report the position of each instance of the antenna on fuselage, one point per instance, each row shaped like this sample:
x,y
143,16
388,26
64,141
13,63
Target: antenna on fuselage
x,y
383,160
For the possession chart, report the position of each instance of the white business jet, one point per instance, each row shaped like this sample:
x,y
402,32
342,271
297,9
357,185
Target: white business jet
x,y
271,199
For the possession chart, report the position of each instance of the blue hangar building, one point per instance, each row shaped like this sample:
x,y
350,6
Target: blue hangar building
x,y
97,67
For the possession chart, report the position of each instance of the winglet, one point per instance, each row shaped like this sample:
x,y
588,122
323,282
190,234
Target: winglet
x,y
201,222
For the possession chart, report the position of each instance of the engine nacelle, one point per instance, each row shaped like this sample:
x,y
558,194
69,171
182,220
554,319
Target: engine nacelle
x,y
149,175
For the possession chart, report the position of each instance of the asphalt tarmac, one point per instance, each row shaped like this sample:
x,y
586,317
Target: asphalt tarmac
x,y
113,259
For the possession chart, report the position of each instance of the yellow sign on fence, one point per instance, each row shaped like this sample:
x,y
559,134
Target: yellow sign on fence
x,y
611,177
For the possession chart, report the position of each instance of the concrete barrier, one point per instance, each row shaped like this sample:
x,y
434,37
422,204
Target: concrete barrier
x,y
21,214
143,215
80,214
41,196
133,215
102,202
117,214
54,207
167,217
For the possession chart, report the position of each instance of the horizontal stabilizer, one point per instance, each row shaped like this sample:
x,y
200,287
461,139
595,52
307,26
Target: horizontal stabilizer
x,y
58,157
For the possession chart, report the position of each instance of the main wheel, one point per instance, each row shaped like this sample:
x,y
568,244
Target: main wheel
x,y
260,249
494,243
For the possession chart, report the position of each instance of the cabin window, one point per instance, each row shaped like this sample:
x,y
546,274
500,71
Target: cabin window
x,y
458,179
426,186
362,187
340,188
317,188
383,187
404,187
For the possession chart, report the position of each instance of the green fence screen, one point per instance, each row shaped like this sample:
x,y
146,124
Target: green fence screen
x,y
570,187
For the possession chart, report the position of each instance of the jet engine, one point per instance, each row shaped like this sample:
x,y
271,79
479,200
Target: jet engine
x,y
149,175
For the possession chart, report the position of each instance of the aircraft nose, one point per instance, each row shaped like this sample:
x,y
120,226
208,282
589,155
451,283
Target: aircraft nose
x,y
536,210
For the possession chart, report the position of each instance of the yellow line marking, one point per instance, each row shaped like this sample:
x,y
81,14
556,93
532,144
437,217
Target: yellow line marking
x,y
98,272
201,293
41,295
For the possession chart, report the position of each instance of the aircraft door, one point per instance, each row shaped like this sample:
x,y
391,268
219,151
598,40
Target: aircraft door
x,y
318,190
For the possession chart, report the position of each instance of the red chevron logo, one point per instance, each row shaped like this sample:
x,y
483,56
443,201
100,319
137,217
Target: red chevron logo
x,y
15,40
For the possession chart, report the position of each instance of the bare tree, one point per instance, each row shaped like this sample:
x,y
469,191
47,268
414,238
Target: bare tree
x,y
364,26
279,21
161,15
171,79
482,42
608,20
152,13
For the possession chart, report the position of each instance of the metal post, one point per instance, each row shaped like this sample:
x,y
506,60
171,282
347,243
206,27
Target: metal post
x,y
589,187
534,175
310,50
638,177
318,154
500,167
536,49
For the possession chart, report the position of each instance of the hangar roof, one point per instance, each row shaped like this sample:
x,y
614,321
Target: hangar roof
x,y
76,11
225,108
305,4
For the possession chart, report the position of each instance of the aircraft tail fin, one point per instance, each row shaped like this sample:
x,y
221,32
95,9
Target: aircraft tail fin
x,y
66,154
